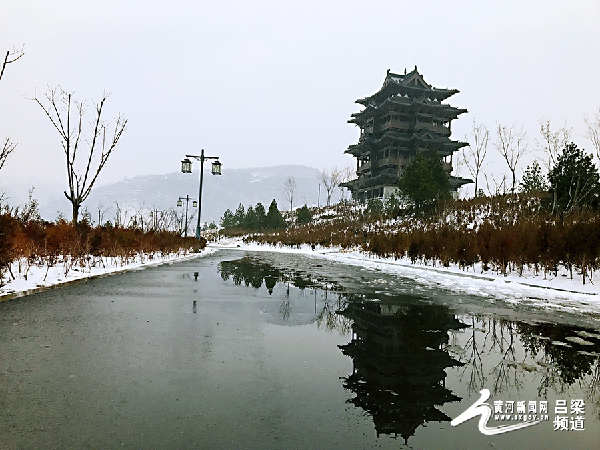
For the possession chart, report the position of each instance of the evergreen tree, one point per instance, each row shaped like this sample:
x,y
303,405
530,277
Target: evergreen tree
x,y
303,215
392,207
533,180
274,218
574,181
227,221
375,207
239,216
425,182
250,219
260,216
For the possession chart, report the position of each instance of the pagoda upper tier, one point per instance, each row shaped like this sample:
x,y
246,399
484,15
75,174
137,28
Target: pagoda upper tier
x,y
420,105
410,84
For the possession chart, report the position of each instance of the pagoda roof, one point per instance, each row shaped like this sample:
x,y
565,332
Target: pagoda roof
x,y
395,103
425,138
385,178
411,83
456,182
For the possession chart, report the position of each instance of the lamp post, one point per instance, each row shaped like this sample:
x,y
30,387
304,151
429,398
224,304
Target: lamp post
x,y
187,199
186,167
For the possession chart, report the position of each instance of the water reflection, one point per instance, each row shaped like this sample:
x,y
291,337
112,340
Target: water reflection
x,y
501,355
411,356
254,273
399,361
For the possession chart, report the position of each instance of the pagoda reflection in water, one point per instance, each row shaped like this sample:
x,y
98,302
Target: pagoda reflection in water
x,y
398,363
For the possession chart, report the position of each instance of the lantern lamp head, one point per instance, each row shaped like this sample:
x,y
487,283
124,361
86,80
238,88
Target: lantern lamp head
x,y
195,203
179,202
186,165
216,168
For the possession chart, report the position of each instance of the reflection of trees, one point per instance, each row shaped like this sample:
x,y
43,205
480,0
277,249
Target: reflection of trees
x,y
505,373
399,360
474,364
488,336
561,355
285,306
329,318
564,364
253,273
250,272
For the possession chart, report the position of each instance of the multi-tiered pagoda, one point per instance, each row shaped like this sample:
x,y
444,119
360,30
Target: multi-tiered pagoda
x,y
405,117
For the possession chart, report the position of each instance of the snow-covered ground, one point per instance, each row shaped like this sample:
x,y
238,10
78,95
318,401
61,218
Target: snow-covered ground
x,y
30,279
559,292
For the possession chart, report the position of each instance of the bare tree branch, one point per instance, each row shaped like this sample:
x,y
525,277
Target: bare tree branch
x,y
7,148
289,190
331,179
346,174
475,154
10,57
553,141
512,145
66,115
593,131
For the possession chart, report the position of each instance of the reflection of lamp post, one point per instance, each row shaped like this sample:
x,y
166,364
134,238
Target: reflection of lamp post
x,y
187,199
186,167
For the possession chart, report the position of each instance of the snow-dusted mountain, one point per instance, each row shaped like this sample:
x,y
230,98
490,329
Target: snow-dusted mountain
x,y
235,186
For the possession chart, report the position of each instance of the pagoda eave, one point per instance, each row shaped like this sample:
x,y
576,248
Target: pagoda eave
x,y
391,89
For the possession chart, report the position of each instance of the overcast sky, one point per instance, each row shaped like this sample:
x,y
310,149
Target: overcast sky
x,y
263,83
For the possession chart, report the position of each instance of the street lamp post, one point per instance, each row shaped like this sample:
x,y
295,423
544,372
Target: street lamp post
x,y
186,167
187,199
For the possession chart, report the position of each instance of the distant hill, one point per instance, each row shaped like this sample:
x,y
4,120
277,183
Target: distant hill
x,y
235,186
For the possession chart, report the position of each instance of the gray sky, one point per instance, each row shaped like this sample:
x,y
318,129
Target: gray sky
x,y
273,82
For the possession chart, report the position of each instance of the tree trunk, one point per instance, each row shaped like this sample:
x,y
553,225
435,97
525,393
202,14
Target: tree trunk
x,y
75,212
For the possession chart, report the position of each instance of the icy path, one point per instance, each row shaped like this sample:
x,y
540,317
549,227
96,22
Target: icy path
x,y
39,277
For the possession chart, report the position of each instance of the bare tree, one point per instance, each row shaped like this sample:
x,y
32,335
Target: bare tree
x,y
593,131
346,174
101,211
8,146
331,179
499,187
10,57
67,114
475,154
553,142
512,145
289,190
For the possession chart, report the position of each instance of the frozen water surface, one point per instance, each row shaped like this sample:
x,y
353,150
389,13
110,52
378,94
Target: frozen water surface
x,y
261,350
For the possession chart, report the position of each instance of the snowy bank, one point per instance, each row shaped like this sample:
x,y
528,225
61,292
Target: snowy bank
x,y
549,291
34,278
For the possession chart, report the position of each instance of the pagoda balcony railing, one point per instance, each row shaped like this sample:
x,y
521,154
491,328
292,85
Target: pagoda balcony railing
x,y
442,130
395,160
365,167
402,128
